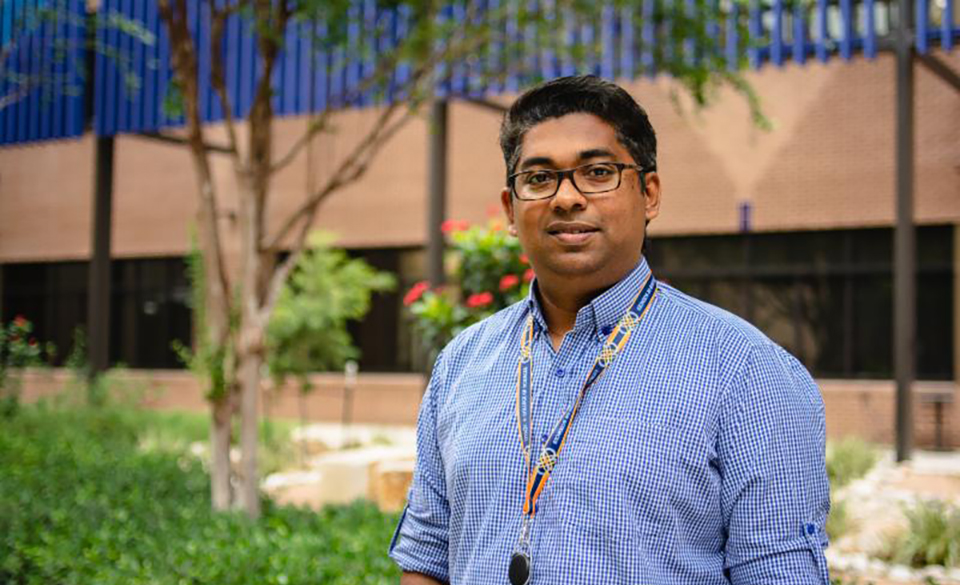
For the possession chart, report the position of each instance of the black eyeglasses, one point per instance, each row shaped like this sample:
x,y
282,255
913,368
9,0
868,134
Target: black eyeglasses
x,y
589,179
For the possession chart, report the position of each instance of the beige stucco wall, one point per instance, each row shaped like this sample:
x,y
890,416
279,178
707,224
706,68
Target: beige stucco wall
x,y
828,163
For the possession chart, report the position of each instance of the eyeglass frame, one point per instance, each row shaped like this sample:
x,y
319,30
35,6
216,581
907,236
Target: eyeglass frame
x,y
568,173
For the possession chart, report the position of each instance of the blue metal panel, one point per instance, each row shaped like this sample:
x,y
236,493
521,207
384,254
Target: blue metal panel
x,y
529,40
648,39
846,19
31,129
755,28
946,26
321,68
163,76
922,25
822,37
799,34
513,41
204,28
870,33
690,42
110,90
776,48
305,72
626,42
589,64
307,78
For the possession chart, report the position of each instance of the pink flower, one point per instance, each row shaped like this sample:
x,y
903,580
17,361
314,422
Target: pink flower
x,y
509,281
416,291
528,275
524,259
475,301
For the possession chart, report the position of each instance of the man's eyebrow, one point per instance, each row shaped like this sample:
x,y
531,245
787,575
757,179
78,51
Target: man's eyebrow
x,y
583,155
595,153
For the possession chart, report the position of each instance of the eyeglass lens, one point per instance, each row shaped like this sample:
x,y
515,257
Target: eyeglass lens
x,y
592,178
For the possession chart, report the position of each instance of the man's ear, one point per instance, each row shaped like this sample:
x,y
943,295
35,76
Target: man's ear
x,y
506,199
651,195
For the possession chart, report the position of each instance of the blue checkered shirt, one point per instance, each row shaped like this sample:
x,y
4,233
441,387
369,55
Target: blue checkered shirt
x,y
698,457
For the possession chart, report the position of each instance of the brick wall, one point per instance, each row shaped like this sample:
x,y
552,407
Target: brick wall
x,y
828,163
860,408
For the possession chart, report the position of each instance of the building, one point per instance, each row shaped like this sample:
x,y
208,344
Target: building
x,y
792,229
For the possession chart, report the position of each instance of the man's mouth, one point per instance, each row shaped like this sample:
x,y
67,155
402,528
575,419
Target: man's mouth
x,y
571,233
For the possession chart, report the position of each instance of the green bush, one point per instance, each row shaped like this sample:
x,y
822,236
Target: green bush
x,y
82,504
849,459
933,536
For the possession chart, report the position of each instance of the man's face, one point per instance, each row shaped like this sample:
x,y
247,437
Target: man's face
x,y
594,239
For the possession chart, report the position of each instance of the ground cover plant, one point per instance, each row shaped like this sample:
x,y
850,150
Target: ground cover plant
x,y
932,536
83,503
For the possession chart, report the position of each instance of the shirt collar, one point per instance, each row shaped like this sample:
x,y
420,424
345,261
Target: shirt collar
x,y
603,312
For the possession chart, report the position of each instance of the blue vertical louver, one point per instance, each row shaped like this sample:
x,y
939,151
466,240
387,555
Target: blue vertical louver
x,y
42,87
134,89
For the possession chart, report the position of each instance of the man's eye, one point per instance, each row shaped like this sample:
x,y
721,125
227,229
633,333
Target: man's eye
x,y
599,172
538,178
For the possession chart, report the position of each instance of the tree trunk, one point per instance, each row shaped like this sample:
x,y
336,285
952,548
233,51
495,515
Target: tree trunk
x,y
220,430
251,361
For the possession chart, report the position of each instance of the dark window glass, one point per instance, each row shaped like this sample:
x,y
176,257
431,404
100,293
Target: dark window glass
x,y
149,307
826,297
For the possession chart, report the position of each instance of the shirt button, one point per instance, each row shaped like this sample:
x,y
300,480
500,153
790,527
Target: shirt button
x,y
560,372
811,528
607,329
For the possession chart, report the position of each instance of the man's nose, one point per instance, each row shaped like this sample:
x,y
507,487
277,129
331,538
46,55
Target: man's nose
x,y
568,196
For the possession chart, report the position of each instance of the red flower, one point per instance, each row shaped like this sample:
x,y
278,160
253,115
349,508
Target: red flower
x,y
478,300
509,281
416,291
33,342
528,275
452,225
524,259
20,321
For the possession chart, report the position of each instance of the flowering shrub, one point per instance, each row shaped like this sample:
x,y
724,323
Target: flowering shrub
x,y
18,350
489,273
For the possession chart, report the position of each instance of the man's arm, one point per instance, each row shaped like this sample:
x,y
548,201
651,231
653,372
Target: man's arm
x,y
775,493
420,544
417,579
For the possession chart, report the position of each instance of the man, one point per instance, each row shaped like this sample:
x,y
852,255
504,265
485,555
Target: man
x,y
609,428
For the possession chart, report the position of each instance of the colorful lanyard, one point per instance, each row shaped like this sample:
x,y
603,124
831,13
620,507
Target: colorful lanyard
x,y
549,454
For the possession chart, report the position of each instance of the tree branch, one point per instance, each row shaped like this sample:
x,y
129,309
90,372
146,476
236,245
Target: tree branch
x,y
217,79
184,62
353,167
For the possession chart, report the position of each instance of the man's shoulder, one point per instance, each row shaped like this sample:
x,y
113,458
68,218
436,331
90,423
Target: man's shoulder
x,y
719,334
488,332
702,319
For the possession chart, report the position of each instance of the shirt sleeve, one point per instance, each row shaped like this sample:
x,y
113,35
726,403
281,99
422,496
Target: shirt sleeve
x,y
775,493
420,542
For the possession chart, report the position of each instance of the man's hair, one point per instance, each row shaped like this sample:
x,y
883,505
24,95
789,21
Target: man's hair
x,y
580,94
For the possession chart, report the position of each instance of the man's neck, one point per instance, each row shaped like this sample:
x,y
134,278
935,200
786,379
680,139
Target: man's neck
x,y
560,304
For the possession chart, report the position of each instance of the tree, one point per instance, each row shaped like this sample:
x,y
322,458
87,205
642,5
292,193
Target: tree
x,y
238,305
308,328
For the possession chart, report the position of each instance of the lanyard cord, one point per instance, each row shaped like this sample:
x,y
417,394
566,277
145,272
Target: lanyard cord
x,y
537,475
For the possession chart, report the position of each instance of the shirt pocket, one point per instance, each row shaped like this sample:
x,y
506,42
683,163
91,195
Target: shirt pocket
x,y
616,477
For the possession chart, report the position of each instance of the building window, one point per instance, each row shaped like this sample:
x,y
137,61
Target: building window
x,y
149,307
827,297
